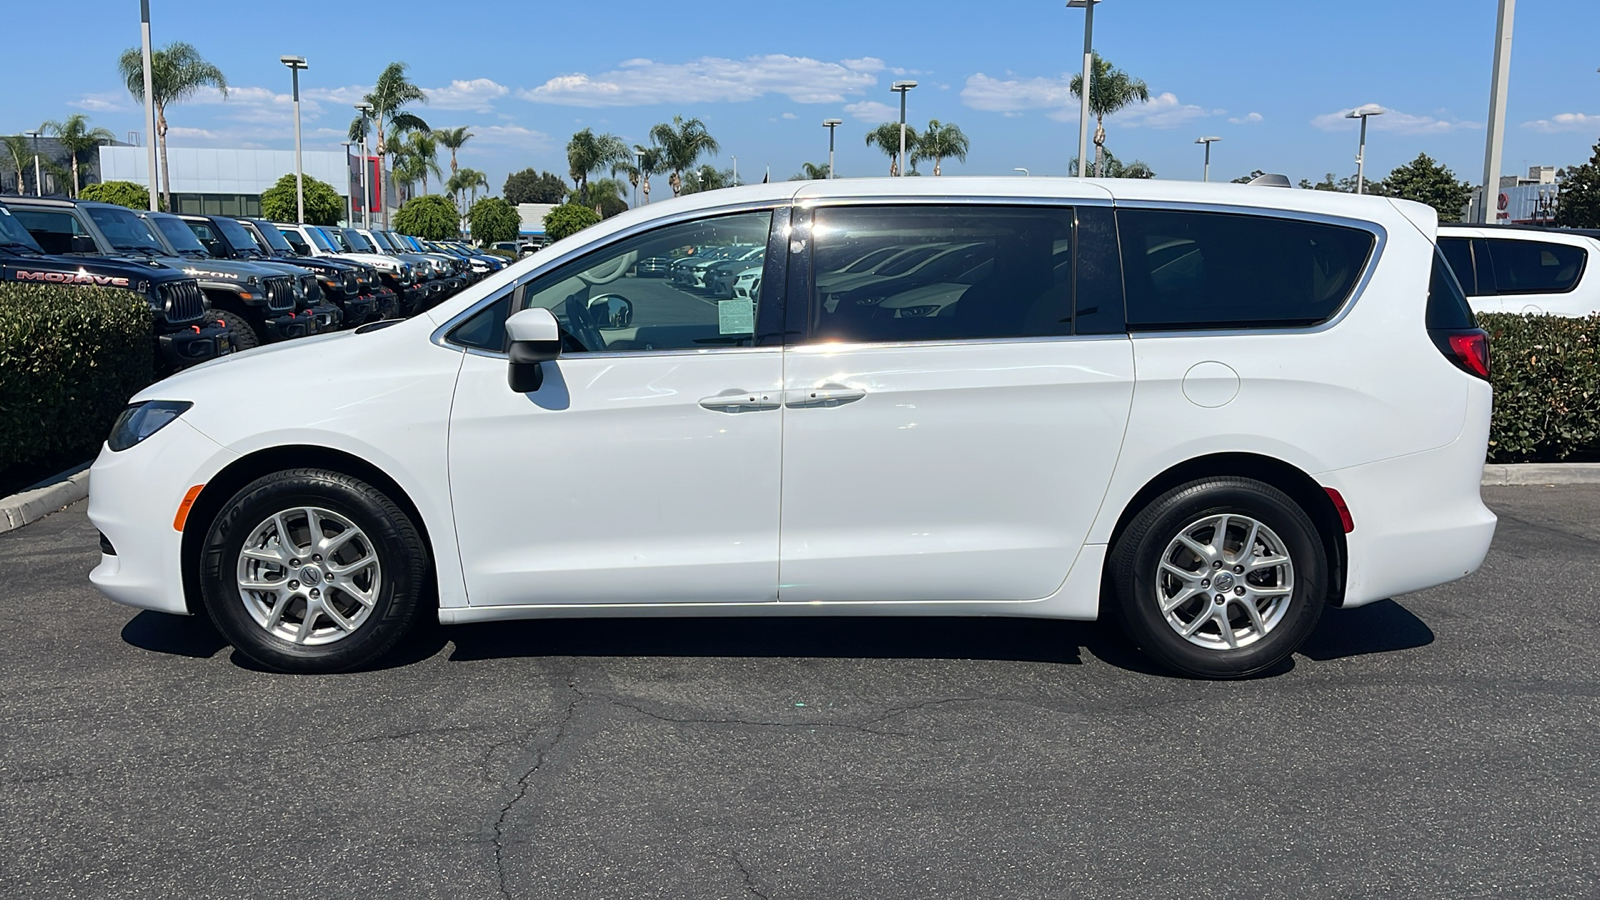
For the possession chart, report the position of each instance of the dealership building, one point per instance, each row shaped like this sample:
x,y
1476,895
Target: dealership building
x,y
223,182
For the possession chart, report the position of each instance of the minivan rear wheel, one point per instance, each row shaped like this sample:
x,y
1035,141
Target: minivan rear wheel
x,y
1220,578
310,570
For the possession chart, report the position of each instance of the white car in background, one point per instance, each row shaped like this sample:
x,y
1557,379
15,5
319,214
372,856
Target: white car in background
x,y
1232,407
1511,269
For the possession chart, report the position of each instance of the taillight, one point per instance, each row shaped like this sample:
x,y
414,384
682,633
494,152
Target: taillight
x,y
1467,348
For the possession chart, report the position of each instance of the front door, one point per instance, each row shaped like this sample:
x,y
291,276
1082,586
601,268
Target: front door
x,y
645,469
949,432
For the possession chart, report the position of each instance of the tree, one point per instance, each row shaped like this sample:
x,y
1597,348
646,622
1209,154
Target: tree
x,y
810,172
1579,204
493,219
432,217
606,197
19,154
681,143
126,193
1116,168
77,138
568,219
1428,181
588,152
388,100
648,161
1110,90
1246,179
416,155
886,137
941,142
528,186
467,180
176,74
324,206
706,178
453,139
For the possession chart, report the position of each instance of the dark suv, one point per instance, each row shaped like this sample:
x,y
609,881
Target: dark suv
x,y
185,330
337,285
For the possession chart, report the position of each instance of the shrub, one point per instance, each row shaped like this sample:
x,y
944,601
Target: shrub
x,y
69,360
493,219
568,219
432,217
324,206
529,186
122,193
1546,376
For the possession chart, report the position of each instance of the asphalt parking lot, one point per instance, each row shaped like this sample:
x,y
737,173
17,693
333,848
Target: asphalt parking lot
x,y
1444,744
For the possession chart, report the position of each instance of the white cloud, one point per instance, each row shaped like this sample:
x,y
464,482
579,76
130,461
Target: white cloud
x,y
1012,96
1163,111
790,115
1395,121
347,96
104,102
872,111
509,136
639,82
1565,122
1249,119
477,95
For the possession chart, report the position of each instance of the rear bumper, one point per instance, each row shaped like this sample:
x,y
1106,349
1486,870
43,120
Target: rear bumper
x,y
197,343
1419,519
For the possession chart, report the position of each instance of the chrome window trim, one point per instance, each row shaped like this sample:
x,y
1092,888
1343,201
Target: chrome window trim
x,y
622,354
951,200
835,346
768,206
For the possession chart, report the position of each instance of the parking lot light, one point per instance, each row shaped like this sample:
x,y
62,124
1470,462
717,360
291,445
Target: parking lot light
x,y
901,88
38,184
366,194
295,64
1088,75
1208,141
831,124
1363,113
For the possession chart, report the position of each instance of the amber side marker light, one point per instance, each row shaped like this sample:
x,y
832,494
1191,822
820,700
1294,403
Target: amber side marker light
x,y
183,508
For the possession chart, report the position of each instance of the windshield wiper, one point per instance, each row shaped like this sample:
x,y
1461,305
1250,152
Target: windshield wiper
x,y
18,245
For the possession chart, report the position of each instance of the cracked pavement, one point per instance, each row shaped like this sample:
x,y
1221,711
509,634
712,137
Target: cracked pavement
x,y
1440,745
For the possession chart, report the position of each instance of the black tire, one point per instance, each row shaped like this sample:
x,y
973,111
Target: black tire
x,y
244,334
1141,583
385,532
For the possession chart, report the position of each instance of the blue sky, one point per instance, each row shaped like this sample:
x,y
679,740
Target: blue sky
x,y
1271,78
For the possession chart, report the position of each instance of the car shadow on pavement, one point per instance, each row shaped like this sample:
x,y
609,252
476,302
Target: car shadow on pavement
x,y
192,636
1381,627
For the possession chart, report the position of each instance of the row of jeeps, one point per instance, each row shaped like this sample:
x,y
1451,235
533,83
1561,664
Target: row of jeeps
x,y
219,283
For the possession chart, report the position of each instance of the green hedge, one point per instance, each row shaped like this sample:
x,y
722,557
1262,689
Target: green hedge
x,y
69,360
1546,376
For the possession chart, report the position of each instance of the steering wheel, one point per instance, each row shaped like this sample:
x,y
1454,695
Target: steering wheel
x,y
584,329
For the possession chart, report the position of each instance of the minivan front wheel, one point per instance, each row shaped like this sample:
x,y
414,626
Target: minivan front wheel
x,y
309,570
1220,578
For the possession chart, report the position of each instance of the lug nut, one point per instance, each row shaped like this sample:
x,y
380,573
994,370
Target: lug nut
x,y
1205,582
1216,564
1221,599
315,592
294,562
293,585
316,557
1239,569
1239,591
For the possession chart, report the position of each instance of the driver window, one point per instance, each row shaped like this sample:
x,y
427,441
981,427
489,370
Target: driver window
x,y
690,286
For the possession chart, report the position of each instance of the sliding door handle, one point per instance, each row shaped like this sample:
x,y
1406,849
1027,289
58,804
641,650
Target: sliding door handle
x,y
822,396
736,401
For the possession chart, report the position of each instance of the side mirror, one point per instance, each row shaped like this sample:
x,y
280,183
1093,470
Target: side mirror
x,y
214,247
82,243
535,338
611,311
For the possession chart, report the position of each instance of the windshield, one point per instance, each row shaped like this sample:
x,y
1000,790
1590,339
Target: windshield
x,y
12,234
236,235
178,234
407,242
273,237
126,231
331,239
382,241
356,241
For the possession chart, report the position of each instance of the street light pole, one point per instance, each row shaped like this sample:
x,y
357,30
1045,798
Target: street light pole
x,y
735,171
1363,113
295,64
1208,141
38,183
149,103
350,196
366,194
831,124
1088,80
1025,172
901,88
1497,109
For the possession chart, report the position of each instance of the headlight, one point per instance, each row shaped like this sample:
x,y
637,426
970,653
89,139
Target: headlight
x,y
141,420
253,281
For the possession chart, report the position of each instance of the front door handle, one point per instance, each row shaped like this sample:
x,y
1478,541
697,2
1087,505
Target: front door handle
x,y
737,401
822,396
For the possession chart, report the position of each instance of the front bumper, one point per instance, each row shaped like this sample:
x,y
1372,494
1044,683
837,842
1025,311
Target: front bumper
x,y
357,309
324,317
197,343
287,326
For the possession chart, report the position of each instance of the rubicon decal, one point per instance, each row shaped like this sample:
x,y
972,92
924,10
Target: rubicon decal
x,y
73,278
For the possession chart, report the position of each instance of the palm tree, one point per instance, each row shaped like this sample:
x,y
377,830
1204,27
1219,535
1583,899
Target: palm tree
x,y
811,172
388,100
886,137
465,180
176,74
1111,90
418,151
682,143
588,152
941,142
77,138
20,153
647,162
452,138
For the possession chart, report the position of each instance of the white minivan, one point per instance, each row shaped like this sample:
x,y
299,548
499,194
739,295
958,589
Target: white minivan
x,y
1206,411
1522,271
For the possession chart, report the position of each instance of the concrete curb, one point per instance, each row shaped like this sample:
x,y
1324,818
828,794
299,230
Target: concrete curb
x,y
1542,473
43,499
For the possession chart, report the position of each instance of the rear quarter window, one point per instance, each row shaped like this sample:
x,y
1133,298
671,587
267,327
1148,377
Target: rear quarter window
x,y
1536,267
1187,270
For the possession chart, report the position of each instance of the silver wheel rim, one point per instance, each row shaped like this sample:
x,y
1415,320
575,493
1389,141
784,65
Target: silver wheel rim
x,y
1224,582
309,576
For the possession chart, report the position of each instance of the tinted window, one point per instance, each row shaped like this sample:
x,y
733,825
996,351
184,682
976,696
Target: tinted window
x,y
602,304
1535,267
1218,270
1458,252
273,237
236,236
125,230
178,234
13,232
916,273
296,241
1447,304
52,230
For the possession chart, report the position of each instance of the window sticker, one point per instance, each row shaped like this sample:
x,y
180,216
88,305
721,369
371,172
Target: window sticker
x,y
736,317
